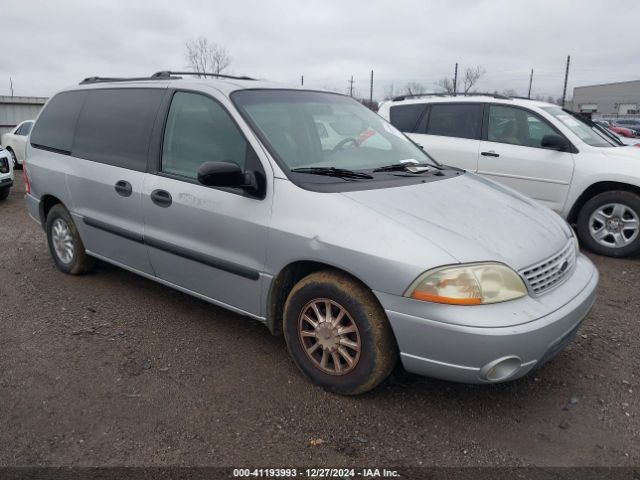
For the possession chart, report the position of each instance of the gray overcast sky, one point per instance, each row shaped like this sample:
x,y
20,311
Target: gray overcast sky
x,y
50,44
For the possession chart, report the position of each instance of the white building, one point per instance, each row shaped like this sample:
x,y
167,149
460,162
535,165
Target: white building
x,y
608,99
14,110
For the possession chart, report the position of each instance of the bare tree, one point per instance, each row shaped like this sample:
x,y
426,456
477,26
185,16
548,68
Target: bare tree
x,y
471,77
445,84
510,92
205,56
413,88
390,92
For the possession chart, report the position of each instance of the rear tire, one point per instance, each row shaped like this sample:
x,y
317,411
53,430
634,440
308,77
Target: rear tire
x,y
65,244
609,223
4,192
351,350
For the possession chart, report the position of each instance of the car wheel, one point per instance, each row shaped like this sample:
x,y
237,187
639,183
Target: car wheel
x,y
13,158
4,193
65,243
609,223
338,334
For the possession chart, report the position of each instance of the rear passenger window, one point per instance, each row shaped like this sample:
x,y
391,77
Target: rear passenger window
x,y
455,120
405,117
115,126
199,130
55,125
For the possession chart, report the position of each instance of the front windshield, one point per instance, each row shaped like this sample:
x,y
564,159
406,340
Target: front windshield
x,y
583,130
323,130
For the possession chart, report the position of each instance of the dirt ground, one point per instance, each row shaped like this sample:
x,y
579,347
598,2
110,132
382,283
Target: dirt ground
x,y
111,369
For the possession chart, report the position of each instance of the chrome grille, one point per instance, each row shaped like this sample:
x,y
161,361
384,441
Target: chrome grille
x,y
550,273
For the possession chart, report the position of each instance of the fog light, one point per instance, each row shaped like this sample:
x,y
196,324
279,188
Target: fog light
x,y
500,369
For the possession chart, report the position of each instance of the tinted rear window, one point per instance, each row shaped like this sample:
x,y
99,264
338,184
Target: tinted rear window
x,y
115,126
455,120
405,117
55,125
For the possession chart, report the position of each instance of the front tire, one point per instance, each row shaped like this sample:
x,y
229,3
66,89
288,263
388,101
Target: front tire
x,y
609,223
337,333
4,192
65,244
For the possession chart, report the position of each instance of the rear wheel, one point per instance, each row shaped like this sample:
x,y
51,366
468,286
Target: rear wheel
x,y
609,223
337,333
4,192
65,243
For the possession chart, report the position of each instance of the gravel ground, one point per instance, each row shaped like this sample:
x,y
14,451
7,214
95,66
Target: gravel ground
x,y
111,369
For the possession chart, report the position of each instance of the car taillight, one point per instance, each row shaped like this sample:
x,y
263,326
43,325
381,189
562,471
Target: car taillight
x,y
27,187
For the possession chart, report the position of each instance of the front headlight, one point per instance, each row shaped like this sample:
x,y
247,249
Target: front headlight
x,y
472,284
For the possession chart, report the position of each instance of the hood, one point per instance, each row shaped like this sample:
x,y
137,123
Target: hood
x,y
628,152
472,219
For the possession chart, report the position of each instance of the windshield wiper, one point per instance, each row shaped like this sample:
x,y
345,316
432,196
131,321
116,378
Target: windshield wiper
x,y
406,167
332,172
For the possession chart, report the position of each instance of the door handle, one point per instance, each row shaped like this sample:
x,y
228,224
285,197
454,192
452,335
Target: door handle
x,y
123,188
162,198
490,153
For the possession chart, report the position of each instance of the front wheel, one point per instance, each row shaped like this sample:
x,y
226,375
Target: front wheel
x,y
4,192
609,223
337,333
65,243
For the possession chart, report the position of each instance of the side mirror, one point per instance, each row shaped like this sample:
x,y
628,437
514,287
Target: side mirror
x,y
225,174
554,142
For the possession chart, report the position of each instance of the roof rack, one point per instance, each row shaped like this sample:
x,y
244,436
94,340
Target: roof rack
x,y
170,74
116,79
163,75
457,94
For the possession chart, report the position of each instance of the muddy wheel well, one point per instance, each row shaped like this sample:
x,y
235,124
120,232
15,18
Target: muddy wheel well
x,y
594,190
282,285
46,203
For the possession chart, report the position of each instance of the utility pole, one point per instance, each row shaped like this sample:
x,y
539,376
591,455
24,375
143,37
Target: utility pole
x,y
302,80
11,85
530,82
566,78
371,90
455,79
351,86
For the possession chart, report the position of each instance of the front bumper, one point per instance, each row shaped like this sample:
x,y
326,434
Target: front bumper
x,y
490,343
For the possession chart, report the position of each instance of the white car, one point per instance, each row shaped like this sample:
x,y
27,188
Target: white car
x,y
539,149
16,140
6,173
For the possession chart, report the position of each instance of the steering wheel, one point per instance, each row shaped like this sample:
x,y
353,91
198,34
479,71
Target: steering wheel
x,y
341,144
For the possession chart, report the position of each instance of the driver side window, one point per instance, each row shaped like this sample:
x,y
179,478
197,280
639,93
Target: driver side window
x,y
516,126
199,130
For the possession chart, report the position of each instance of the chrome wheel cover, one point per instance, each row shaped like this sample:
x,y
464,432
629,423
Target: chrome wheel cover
x,y
62,241
614,225
329,336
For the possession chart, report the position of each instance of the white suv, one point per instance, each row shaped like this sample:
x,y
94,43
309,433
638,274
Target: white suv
x,y
6,173
538,149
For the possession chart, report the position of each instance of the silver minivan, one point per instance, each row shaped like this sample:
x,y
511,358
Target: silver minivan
x,y
308,212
